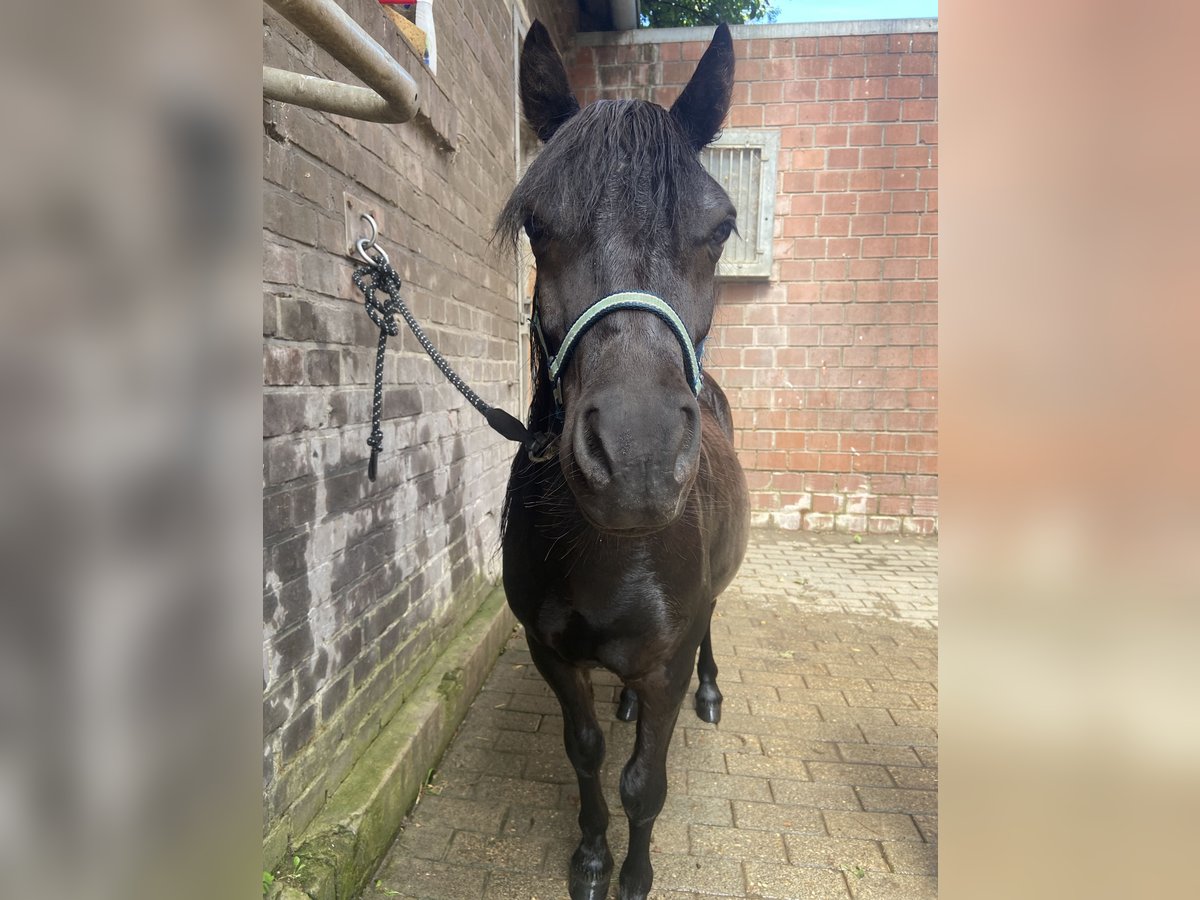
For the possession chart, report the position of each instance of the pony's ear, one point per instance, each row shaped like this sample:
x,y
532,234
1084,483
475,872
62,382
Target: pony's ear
x,y
545,94
702,106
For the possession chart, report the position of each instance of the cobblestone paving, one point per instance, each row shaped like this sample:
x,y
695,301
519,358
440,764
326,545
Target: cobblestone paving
x,y
820,781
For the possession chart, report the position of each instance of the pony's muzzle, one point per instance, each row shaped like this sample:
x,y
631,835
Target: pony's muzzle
x,y
635,458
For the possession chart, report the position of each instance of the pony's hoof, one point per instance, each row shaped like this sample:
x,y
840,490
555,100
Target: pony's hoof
x,y
708,704
582,889
590,872
627,708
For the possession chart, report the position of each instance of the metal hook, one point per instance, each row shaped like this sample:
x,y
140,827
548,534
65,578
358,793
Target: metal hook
x,y
365,244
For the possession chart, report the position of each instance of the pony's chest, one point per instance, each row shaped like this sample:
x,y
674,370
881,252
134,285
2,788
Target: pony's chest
x,y
616,629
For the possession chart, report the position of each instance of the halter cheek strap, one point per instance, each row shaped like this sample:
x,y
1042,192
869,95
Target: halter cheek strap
x,y
600,309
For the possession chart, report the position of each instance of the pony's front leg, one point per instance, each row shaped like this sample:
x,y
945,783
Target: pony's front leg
x,y
644,780
591,863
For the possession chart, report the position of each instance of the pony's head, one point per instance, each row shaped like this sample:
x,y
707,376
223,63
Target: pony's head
x,y
615,202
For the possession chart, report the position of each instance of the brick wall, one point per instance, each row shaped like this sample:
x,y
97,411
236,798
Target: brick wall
x,y
363,582
831,365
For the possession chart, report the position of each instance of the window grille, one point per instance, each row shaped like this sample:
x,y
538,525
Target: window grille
x,y
743,162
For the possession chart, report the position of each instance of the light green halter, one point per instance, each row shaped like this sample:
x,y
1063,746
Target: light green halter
x,y
600,309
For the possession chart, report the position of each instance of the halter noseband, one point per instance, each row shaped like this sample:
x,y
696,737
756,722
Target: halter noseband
x,y
600,309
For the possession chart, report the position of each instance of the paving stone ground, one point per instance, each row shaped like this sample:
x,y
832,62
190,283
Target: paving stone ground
x,y
820,781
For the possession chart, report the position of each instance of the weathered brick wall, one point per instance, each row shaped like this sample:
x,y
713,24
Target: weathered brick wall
x,y
363,582
831,365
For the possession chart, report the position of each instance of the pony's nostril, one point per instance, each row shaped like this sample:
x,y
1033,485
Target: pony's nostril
x,y
689,446
590,452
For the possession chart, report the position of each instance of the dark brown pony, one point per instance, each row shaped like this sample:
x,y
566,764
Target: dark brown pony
x,y
615,550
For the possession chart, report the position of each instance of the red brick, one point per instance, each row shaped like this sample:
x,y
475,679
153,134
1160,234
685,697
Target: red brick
x,y
889,443
839,204
779,70
827,315
830,269
900,180
807,159
912,246
868,88
895,356
827,503
834,89
916,64
746,117
747,71
802,460
901,134
914,157
798,182
847,247
782,48
836,462
902,379
878,157
843,158
790,138
766,92
859,356
831,136
800,336
800,91
850,111
900,463
908,200
883,64
883,110
861,225
780,114
919,110
798,277
865,135
847,66
834,335
812,67
865,269
903,87
812,114
831,181
869,180
895,506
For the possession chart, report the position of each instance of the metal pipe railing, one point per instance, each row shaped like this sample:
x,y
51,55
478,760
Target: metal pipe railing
x,y
391,93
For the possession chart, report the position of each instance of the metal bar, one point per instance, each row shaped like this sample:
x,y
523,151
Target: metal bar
x,y
328,96
391,93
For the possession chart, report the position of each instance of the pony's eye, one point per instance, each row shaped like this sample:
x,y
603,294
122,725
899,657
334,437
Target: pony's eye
x,y
534,230
721,233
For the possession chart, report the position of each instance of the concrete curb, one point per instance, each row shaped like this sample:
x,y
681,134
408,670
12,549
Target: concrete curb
x,y
346,841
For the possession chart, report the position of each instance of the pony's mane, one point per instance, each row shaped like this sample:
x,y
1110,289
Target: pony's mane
x,y
627,146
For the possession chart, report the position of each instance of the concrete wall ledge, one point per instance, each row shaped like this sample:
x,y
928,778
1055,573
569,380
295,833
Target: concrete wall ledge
x,y
757,32
347,840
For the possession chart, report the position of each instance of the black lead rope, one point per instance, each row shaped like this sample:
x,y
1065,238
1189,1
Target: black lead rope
x,y
380,277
